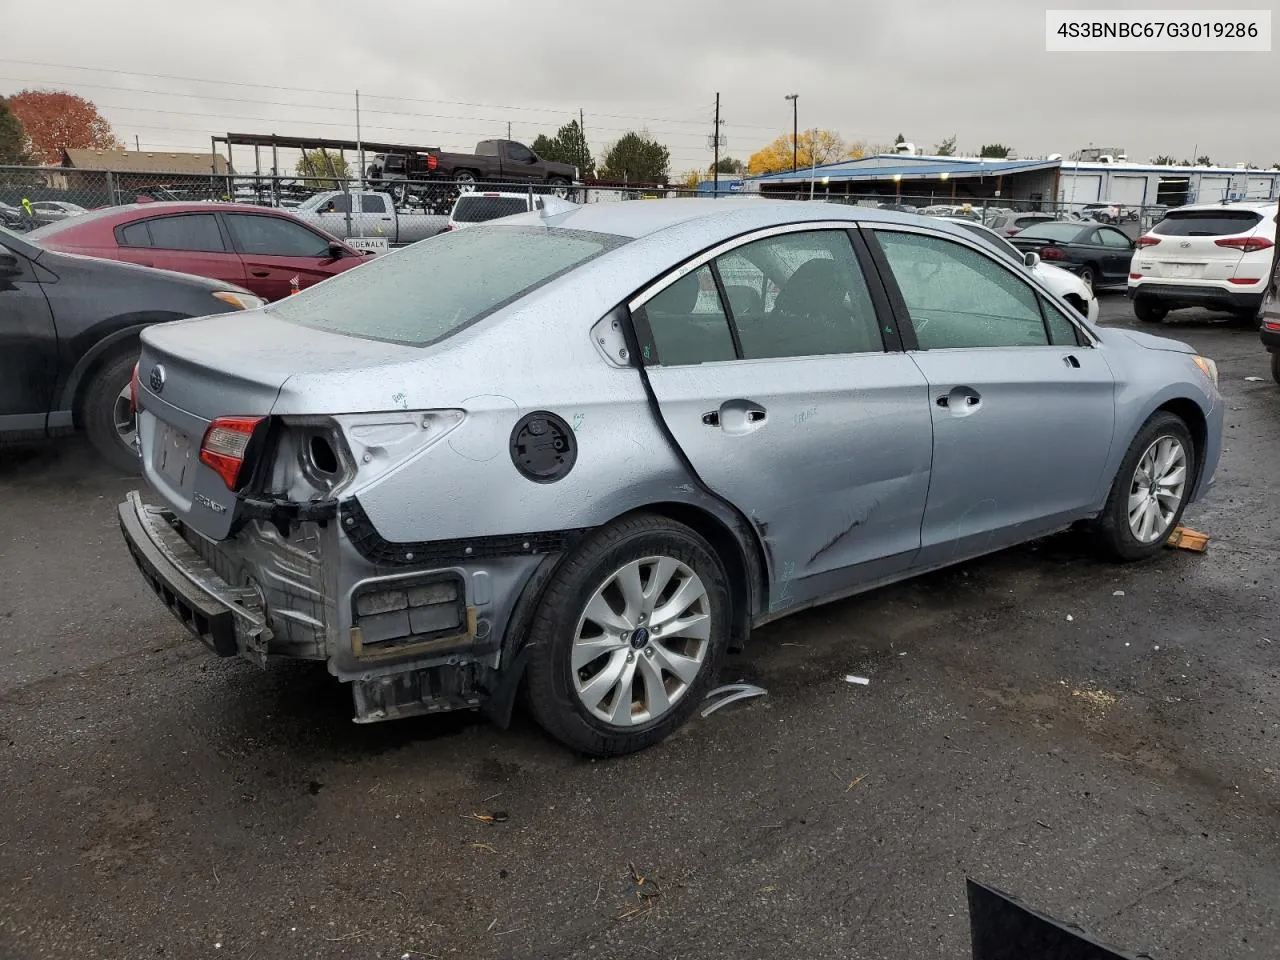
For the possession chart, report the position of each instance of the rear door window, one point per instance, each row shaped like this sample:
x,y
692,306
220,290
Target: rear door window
x,y
189,231
134,235
372,203
267,236
423,293
1207,223
687,323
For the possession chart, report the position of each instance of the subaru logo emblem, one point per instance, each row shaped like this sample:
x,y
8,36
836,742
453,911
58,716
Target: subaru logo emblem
x,y
156,380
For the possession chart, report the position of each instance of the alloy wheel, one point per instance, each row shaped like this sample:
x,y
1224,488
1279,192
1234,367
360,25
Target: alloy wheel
x,y
1156,492
124,419
641,641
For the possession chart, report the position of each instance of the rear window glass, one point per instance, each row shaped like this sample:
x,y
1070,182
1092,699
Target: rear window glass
x,y
1207,223
479,209
430,290
1062,232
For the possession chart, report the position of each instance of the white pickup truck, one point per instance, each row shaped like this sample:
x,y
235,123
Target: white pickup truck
x,y
368,216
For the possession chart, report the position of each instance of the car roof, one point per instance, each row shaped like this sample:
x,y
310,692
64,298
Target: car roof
x,y
128,211
708,217
1258,206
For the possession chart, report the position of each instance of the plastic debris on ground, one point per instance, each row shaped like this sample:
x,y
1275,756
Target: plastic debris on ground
x,y
862,681
732,693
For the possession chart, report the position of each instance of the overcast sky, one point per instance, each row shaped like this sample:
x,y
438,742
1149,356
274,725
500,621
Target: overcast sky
x,y
433,73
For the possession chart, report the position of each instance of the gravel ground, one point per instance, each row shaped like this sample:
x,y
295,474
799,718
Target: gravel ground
x,y
1101,741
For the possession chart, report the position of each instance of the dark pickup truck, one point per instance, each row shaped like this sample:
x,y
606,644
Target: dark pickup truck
x,y
495,161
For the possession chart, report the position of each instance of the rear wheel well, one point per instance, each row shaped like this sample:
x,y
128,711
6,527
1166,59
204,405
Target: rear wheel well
x,y
740,569
1189,412
129,344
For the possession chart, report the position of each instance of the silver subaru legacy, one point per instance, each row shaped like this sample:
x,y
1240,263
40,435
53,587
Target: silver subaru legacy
x,y
583,451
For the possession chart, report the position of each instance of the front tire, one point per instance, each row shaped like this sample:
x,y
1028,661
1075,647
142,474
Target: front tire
x,y
1275,367
1150,490
559,187
105,414
628,636
1148,311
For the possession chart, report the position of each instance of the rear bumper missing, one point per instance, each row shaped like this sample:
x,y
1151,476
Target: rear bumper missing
x,y
225,618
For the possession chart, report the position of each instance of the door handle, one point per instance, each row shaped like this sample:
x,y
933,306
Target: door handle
x,y
961,401
736,416
261,273
1071,361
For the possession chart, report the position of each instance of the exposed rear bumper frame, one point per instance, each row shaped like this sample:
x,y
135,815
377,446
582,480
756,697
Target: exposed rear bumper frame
x,y
227,619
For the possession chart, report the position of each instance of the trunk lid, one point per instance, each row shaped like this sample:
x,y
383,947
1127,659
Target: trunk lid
x,y
1188,247
193,372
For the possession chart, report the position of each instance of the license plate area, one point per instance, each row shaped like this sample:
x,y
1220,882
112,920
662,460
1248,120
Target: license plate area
x,y
174,458
1186,271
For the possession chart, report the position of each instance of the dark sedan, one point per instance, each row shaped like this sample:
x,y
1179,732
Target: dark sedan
x,y
1099,255
69,329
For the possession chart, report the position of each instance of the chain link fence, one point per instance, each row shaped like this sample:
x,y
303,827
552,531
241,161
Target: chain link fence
x,y
34,196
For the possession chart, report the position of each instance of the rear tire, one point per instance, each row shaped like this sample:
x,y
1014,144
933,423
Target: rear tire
x,y
465,181
1149,311
1133,490
1088,277
1275,367
568,693
104,413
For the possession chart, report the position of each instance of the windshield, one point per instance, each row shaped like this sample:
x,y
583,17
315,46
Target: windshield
x,y
430,290
478,209
1062,232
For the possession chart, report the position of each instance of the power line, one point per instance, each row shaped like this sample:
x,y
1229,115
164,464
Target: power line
x,y
337,93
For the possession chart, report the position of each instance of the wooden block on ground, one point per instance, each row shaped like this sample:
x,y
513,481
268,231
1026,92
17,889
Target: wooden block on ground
x,y
1185,539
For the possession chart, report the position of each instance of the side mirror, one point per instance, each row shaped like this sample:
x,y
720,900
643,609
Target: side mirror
x,y
1031,258
336,250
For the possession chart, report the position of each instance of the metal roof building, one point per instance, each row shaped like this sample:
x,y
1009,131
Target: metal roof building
x,y
916,179
1144,184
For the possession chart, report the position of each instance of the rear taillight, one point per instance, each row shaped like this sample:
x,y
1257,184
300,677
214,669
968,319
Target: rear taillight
x,y
1147,241
133,388
224,445
1245,244
1245,280
432,161
1052,253
1135,276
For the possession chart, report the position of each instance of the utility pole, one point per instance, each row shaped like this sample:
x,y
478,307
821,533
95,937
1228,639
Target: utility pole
x,y
508,129
813,156
137,143
795,128
359,143
715,164
586,151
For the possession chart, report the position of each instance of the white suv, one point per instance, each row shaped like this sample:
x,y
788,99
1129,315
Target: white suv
x,y
473,208
1210,255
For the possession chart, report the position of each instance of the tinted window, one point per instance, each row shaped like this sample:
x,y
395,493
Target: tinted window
x,y
1113,238
395,165
1061,232
192,231
956,297
816,304
275,237
427,291
135,235
475,209
687,323
1207,223
1062,332
519,154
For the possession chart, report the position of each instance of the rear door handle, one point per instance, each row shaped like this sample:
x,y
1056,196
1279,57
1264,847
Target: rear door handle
x,y
261,273
1071,361
736,416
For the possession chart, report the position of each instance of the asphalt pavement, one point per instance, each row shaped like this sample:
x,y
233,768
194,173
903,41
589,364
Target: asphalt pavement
x,y
1098,740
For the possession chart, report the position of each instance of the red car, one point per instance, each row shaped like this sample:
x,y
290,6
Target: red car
x,y
258,248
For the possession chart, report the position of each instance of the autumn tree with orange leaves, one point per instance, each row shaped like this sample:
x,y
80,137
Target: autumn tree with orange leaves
x,y
55,120
822,146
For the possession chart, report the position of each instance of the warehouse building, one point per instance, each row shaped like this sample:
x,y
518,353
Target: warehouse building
x,y
1137,185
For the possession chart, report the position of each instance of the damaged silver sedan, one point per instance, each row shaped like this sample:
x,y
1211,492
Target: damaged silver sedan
x,y
584,451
